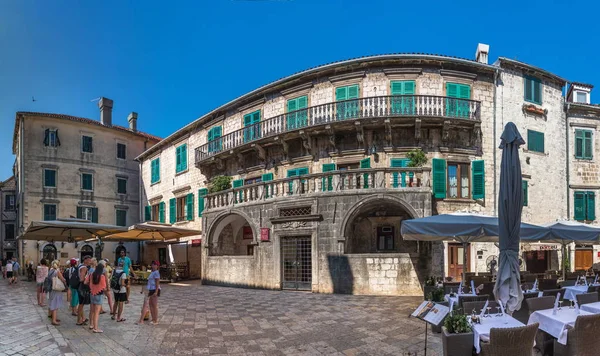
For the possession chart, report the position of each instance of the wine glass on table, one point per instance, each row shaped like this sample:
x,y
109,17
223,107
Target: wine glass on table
x,y
560,304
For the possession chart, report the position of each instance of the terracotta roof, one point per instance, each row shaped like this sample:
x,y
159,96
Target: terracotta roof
x,y
78,119
9,182
356,60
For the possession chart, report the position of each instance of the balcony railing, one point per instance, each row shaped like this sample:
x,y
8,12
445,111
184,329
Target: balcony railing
x,y
364,108
329,182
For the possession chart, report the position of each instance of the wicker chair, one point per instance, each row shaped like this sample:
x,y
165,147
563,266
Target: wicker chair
x,y
510,341
587,298
471,298
488,289
593,289
522,314
543,341
451,287
568,283
469,306
547,284
554,292
582,340
529,278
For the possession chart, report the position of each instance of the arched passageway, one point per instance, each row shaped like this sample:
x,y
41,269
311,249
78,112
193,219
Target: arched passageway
x,y
231,235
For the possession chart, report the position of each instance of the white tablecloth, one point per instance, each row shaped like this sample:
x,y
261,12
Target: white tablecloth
x,y
481,332
452,301
593,308
556,325
571,292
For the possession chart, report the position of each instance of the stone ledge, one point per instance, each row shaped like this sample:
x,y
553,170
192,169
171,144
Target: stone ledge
x,y
582,186
581,124
284,219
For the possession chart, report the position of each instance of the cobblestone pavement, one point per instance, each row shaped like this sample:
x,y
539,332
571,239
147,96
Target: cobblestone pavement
x,y
210,320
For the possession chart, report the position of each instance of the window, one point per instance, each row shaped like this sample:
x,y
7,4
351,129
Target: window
x,y
155,171
121,186
581,97
215,144
121,217
49,212
533,90
399,178
9,231
155,212
525,193
253,180
458,181
453,180
457,103
87,181
364,164
297,117
385,238
585,206
251,126
295,173
86,144
51,138
327,181
402,105
181,209
87,213
349,108
583,144
49,178
9,202
181,158
202,192
535,141
121,151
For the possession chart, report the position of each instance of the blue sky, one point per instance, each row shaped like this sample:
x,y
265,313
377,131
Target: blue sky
x,y
173,63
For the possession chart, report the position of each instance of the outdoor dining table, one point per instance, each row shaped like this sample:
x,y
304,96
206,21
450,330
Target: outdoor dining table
x,y
556,325
572,291
481,331
454,299
593,308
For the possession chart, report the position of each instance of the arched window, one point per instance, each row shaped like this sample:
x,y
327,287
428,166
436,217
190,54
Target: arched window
x,y
49,253
86,250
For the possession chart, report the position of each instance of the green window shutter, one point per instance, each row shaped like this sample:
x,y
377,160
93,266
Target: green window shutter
x,y
155,171
291,173
478,170
172,210
177,159
121,217
579,205
590,206
121,186
238,183
87,181
535,141
399,163
190,206
464,91
95,215
49,178
588,147
79,212
579,144
537,91
302,102
341,93
409,87
403,105
147,213
439,178
327,184
353,92
528,89
184,157
202,192
292,105
267,177
452,90
161,212
533,90
525,185
397,88
210,135
365,164
251,133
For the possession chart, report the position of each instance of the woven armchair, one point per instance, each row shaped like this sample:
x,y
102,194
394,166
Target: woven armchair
x,y
547,284
587,298
522,314
471,298
543,341
510,341
469,306
582,340
554,292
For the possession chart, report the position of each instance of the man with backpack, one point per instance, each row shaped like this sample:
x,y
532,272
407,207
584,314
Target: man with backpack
x,y
118,284
72,277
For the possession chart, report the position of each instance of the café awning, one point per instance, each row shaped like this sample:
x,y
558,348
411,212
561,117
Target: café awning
x,y
152,231
67,230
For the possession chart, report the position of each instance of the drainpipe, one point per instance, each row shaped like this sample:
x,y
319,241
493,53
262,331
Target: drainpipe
x,y
21,213
568,106
141,206
496,73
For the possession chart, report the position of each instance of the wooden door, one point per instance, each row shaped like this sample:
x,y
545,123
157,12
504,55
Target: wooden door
x,y
455,260
583,259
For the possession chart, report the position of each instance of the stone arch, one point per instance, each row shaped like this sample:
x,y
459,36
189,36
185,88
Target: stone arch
x,y
86,250
227,234
49,252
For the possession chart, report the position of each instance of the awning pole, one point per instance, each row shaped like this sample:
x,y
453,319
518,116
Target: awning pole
x,y
564,249
464,263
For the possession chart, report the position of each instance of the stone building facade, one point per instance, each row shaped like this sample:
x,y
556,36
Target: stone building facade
x,y
72,167
8,218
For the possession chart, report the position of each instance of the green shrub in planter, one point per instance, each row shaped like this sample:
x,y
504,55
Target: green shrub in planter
x,y
457,323
457,335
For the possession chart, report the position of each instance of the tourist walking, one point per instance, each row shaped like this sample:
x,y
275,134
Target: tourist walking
x,y
152,294
83,290
97,283
55,299
40,277
107,274
73,282
15,268
128,271
118,283
9,271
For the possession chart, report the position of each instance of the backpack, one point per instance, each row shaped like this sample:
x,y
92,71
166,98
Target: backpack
x,y
67,276
74,278
48,283
115,281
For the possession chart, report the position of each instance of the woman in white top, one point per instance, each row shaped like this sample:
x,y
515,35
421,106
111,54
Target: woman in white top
x,y
40,276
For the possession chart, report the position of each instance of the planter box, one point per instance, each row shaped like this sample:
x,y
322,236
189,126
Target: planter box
x,y
438,329
457,344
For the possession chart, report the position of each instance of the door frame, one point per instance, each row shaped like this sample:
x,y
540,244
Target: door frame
x,y
447,257
278,234
295,242
583,249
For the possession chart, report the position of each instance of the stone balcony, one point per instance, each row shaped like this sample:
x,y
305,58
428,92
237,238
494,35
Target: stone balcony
x,y
390,111
416,179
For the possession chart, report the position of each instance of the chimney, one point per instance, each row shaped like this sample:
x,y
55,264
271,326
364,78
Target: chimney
x,y
481,55
132,119
105,106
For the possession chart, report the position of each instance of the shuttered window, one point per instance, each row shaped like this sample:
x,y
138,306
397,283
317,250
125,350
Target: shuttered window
x,y
121,218
365,164
457,103
86,144
585,206
296,173
202,192
161,212
49,178
583,144
478,173
535,141
525,192
402,105
349,108
148,213
86,213
439,178
49,212
327,182
267,177
189,214
297,114
121,151
399,178
533,90
172,210
87,181
155,171
181,158
121,186
238,183
215,143
251,126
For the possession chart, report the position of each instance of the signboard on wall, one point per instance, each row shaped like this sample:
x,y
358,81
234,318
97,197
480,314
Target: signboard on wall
x,y
247,233
265,233
196,242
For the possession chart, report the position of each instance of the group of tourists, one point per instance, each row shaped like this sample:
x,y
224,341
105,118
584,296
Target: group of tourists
x,y
88,282
10,270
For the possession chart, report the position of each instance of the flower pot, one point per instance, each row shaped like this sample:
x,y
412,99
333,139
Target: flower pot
x,y
457,344
438,329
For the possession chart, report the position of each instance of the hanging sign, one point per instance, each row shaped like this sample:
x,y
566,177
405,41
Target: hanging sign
x,y
196,242
265,233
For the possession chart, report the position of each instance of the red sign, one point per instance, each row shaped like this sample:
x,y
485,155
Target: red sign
x,y
598,254
265,233
247,233
196,242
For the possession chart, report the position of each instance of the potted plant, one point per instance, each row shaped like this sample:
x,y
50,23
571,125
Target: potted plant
x,y
430,285
457,335
437,296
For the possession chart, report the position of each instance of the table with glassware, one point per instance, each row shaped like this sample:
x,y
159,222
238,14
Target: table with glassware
x,y
452,299
481,330
593,308
557,324
572,291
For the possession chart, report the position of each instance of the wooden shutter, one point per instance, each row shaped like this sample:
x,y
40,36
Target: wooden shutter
x,y
590,206
161,212
291,173
452,90
79,212
46,137
190,207
238,183
267,177
365,164
302,102
579,205
183,154
537,91
478,171
353,92
397,88
439,178
588,152
177,159
535,141
528,89
95,215
579,144
399,163
327,183
341,93
292,105
464,91
172,210
409,87
525,185
202,192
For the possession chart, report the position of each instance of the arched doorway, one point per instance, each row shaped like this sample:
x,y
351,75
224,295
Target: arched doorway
x,y
49,253
231,235
86,250
118,251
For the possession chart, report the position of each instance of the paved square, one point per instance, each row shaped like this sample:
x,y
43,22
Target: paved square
x,y
210,320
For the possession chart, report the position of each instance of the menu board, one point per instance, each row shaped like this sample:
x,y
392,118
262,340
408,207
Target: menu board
x,y
431,312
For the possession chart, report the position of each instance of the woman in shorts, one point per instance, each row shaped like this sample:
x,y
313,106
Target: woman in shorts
x,y
40,276
97,283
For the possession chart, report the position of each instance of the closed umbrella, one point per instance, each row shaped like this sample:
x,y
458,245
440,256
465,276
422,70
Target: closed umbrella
x,y
510,207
